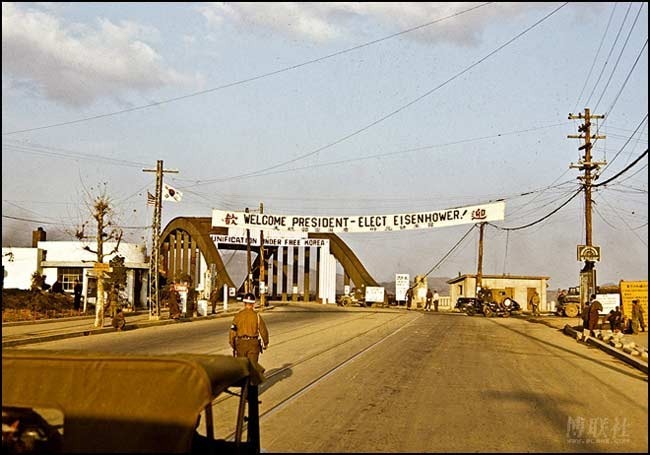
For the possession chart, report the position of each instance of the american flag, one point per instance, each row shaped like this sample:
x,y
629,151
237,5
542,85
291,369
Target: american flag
x,y
151,199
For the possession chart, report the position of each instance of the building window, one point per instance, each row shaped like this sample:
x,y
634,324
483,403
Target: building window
x,y
68,275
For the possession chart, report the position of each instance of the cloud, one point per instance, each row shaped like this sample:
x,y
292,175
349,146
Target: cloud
x,y
77,64
320,22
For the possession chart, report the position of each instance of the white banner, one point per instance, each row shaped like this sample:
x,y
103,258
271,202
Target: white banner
x,y
362,223
255,241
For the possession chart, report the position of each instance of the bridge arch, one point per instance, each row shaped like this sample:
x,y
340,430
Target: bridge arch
x,y
186,248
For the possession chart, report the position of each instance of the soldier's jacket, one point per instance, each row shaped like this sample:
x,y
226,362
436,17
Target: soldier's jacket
x,y
245,323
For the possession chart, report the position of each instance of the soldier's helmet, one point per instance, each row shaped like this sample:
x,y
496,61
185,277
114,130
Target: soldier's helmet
x,y
249,298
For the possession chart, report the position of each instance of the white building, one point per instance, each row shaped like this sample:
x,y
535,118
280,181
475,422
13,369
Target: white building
x,y
68,261
517,287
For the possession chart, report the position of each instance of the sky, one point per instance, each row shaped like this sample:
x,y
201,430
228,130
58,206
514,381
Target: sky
x,y
337,109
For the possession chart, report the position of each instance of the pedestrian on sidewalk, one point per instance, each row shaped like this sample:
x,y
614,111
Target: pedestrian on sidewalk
x,y
595,307
436,300
427,305
409,298
119,321
78,289
637,317
113,301
614,319
534,303
174,301
214,299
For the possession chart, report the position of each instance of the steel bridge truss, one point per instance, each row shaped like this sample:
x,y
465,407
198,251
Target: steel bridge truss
x,y
186,249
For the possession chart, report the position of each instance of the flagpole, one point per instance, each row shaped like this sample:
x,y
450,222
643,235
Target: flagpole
x,y
154,260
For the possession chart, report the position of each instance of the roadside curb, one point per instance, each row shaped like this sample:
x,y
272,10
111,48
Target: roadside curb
x,y
625,357
129,327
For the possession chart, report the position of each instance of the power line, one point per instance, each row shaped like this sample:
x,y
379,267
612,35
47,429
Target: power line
x,y
622,171
407,105
251,79
539,220
596,56
368,157
45,150
450,251
626,142
602,71
627,39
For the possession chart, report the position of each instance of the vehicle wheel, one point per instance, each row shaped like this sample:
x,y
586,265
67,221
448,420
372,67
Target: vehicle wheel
x,y
571,310
346,300
506,314
470,311
487,312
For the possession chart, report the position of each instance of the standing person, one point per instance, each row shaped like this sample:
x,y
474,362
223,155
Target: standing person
x,y
534,303
637,317
113,301
191,303
427,305
174,302
614,319
249,335
78,289
214,299
436,300
409,298
595,307
119,322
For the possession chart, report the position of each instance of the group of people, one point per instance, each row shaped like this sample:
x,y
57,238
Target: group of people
x,y
174,301
616,319
632,324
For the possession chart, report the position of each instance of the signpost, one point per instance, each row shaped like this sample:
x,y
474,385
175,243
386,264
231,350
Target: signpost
x,y
402,283
588,253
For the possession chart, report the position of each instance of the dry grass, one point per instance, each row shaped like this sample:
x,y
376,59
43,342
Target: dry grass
x,y
19,305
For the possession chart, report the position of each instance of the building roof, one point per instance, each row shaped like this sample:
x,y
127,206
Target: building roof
x,y
87,264
497,277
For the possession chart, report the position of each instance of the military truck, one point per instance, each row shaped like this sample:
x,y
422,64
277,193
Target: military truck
x,y
569,305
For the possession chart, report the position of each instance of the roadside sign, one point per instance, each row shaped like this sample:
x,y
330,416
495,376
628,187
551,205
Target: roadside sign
x,y
374,294
631,290
402,283
102,267
588,253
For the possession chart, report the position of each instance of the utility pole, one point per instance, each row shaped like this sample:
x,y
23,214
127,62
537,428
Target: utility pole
x,y
479,270
249,275
154,261
262,265
588,272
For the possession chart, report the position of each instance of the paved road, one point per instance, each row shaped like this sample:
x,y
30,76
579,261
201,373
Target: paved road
x,y
15,334
398,381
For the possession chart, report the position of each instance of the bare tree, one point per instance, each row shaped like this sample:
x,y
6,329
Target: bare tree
x,y
101,211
